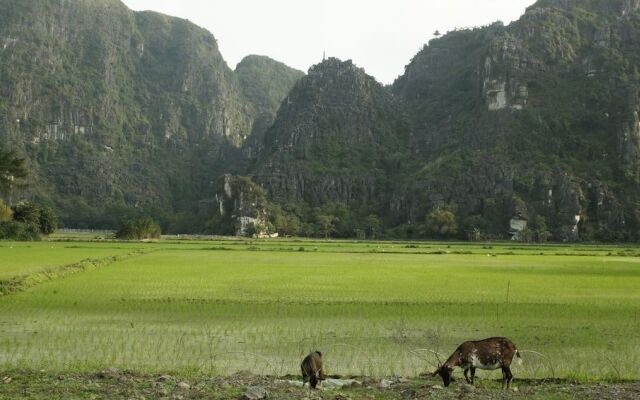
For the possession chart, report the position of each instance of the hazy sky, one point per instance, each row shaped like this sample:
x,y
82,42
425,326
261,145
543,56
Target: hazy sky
x,y
379,35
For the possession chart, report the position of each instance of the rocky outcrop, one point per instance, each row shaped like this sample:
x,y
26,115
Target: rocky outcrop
x,y
505,73
238,207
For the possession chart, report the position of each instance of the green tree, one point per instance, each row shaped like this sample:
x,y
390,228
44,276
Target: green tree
x,y
251,230
277,217
441,223
12,168
475,227
27,212
326,224
344,220
373,226
474,235
308,229
292,225
525,236
48,221
539,229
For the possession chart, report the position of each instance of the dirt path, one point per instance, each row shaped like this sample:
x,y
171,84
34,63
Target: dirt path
x,y
113,384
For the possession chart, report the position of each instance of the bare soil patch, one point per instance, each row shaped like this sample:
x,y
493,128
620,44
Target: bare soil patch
x,y
115,384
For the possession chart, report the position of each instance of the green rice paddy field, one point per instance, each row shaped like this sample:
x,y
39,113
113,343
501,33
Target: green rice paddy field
x,y
373,308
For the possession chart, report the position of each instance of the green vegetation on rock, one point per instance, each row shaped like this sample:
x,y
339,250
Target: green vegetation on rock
x,y
510,128
535,121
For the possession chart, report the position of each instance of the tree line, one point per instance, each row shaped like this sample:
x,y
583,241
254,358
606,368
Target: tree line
x,y
25,220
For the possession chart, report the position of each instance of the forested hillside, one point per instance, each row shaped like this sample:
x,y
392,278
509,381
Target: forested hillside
x,y
529,130
122,113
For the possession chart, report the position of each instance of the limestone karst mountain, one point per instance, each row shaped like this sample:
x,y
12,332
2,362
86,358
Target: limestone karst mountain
x,y
123,112
530,125
530,129
537,120
339,137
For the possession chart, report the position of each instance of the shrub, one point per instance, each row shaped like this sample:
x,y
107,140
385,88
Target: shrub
x,y
48,221
441,223
27,212
138,229
251,230
26,221
15,230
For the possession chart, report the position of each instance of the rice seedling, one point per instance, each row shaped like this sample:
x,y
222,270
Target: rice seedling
x,y
184,307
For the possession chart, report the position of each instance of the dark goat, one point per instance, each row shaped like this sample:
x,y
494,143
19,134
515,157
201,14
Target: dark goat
x,y
488,354
312,371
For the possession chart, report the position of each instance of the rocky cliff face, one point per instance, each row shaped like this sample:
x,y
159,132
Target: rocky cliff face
x,y
117,110
541,113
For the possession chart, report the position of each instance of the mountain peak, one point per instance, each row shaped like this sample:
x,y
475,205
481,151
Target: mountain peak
x,y
616,7
336,65
264,82
263,61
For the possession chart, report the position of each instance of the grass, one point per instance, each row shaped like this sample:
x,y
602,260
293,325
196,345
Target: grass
x,y
373,308
22,258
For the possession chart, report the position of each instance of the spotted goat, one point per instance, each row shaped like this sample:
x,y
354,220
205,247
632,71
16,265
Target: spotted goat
x,y
488,354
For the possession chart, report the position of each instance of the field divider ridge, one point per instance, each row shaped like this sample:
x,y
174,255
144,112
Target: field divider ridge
x,y
22,283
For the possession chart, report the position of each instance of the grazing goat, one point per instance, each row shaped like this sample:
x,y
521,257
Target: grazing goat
x,y
312,371
488,354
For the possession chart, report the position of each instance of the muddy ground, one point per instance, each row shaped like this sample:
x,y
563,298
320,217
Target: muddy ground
x,y
114,384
